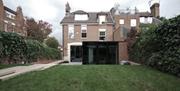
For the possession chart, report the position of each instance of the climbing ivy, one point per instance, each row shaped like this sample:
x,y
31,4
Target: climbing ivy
x,y
159,46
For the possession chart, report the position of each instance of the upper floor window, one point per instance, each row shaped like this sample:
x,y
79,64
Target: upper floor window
x,y
71,31
102,34
81,17
145,20
9,15
133,23
83,31
121,21
102,19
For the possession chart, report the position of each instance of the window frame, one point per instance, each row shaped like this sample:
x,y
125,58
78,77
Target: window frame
x,y
101,17
132,24
69,29
81,17
83,28
120,21
102,30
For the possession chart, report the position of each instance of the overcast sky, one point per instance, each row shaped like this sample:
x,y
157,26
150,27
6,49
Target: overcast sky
x,y
53,11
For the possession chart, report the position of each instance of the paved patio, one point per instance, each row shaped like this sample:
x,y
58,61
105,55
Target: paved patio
x,y
72,63
14,71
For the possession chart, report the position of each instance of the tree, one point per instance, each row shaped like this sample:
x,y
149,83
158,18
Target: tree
x,y
37,30
52,42
162,18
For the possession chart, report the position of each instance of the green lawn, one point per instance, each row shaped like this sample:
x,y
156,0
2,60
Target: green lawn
x,y
93,78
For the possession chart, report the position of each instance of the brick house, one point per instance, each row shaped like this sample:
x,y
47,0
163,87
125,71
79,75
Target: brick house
x,y
10,20
100,37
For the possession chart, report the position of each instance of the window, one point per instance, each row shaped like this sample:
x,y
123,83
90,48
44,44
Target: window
x,y
145,20
133,22
71,31
102,34
150,20
81,17
10,15
121,21
83,31
102,19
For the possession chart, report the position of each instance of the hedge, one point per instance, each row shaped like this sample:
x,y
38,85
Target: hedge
x,y
13,47
159,47
16,49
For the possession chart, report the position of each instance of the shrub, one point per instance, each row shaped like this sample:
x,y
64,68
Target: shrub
x,y
52,42
33,50
37,50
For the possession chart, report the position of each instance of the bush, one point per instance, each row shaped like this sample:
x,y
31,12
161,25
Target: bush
x,y
159,47
13,47
33,50
52,42
37,50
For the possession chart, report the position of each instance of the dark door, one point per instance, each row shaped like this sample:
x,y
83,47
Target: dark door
x,y
76,53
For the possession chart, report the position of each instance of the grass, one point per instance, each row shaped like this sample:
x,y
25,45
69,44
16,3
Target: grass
x,y
2,66
93,78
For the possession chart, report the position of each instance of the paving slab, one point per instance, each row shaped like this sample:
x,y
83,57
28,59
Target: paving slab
x,y
72,63
14,71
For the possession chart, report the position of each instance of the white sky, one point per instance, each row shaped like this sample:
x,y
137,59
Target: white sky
x,y
53,11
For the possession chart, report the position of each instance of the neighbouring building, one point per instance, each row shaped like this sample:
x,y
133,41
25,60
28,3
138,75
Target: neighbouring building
x,y
12,21
100,37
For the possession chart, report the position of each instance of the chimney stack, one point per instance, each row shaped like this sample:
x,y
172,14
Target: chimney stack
x,y
68,9
19,19
154,7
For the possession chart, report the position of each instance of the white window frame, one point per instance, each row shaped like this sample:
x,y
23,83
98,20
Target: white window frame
x,y
102,19
133,23
102,30
10,15
83,27
71,33
121,21
81,17
146,20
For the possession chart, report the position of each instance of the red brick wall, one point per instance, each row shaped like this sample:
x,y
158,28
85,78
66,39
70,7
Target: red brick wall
x,y
123,51
92,34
